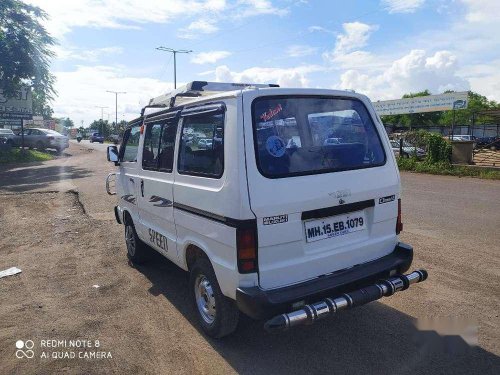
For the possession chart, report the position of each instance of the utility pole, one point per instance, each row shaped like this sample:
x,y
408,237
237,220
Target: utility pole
x,y
102,118
116,104
175,52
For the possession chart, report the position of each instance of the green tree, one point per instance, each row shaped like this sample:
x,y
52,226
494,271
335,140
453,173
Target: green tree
x,y
41,105
101,126
67,122
25,52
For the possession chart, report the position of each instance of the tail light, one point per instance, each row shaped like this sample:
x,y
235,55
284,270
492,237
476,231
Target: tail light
x,y
246,247
50,138
399,222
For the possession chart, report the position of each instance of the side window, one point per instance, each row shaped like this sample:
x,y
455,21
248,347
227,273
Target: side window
x,y
131,144
151,145
167,146
201,151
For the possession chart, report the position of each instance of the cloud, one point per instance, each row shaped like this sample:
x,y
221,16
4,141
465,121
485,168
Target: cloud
x,y
285,77
66,15
416,71
88,55
198,27
484,78
403,6
356,35
482,10
315,28
210,57
345,53
81,90
249,8
300,50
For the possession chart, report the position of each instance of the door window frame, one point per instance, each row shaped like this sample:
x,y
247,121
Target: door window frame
x,y
208,109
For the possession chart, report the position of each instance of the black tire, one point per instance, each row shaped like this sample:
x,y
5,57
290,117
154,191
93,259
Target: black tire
x,y
137,251
40,146
215,305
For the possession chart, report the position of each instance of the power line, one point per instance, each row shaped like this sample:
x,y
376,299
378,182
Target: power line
x,y
175,52
116,104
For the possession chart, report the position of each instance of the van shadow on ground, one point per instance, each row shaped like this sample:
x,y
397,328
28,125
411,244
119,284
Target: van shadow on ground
x,y
21,178
372,339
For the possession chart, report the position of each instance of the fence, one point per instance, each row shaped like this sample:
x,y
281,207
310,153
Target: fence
x,y
479,131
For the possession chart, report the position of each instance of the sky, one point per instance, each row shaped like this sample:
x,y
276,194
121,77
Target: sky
x,y
381,48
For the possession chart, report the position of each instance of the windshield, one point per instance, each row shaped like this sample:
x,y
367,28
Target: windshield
x,y
308,135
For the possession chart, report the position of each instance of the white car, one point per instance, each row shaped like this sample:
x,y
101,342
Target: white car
x,y
205,143
289,234
408,149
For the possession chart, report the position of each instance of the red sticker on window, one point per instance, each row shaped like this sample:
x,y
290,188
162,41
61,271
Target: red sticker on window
x,y
266,116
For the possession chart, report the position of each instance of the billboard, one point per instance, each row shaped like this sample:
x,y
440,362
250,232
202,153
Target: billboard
x,y
430,103
14,110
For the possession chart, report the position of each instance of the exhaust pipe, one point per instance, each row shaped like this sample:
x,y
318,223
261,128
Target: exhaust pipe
x,y
319,310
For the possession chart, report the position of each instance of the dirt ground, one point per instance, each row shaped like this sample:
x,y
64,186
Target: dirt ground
x,y
76,283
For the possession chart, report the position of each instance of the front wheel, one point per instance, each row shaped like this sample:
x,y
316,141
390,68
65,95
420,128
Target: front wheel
x,y
217,314
137,251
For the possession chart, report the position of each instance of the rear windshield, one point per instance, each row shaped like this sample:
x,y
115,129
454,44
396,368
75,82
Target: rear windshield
x,y
309,135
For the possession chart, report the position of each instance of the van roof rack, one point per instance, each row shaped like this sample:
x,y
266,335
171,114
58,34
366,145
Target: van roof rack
x,y
201,88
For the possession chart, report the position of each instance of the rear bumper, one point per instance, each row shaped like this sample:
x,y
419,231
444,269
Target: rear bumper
x,y
260,304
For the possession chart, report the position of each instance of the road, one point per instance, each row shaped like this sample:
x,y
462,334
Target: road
x,y
76,283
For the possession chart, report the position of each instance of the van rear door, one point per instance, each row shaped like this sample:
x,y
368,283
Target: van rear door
x,y
322,183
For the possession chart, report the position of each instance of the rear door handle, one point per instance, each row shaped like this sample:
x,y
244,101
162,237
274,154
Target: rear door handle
x,y
142,188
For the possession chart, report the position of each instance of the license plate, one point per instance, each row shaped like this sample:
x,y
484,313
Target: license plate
x,y
334,226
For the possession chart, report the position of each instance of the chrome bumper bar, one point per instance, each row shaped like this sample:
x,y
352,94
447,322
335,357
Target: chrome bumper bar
x,y
319,310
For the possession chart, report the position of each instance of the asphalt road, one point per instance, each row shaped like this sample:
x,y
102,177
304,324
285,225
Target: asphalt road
x,y
66,243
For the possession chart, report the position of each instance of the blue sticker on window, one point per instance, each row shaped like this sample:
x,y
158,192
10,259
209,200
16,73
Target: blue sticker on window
x,y
275,146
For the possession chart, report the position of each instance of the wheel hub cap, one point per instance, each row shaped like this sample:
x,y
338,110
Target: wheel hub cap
x,y
205,299
130,240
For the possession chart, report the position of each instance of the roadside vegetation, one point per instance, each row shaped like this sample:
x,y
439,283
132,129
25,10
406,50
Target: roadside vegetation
x,y
443,168
437,159
28,156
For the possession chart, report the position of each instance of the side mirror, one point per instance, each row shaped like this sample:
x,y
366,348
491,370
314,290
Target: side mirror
x,y
113,154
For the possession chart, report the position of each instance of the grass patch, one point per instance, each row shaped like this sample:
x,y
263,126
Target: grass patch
x,y
16,156
445,168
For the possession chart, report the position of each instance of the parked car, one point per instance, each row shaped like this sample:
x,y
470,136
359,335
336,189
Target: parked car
x,y
491,142
41,139
8,136
114,138
205,143
96,137
462,137
408,149
332,141
286,234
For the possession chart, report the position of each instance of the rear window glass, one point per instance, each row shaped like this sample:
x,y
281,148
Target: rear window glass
x,y
308,135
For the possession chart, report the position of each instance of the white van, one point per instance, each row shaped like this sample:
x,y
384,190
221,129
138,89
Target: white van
x,y
207,177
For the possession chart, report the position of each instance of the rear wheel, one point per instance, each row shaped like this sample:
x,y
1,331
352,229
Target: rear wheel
x,y
217,314
137,251
40,146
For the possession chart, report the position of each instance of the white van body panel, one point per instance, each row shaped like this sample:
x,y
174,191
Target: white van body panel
x,y
224,197
243,193
285,257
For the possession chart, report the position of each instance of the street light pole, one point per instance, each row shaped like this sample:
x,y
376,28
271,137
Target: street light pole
x,y
175,52
102,118
116,104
